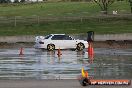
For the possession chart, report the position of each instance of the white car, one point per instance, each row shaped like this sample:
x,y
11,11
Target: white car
x,y
62,41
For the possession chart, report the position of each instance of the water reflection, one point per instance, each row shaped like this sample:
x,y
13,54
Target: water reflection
x,y
91,58
37,64
50,57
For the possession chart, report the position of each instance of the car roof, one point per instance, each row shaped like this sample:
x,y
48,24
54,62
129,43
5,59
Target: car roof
x,y
57,34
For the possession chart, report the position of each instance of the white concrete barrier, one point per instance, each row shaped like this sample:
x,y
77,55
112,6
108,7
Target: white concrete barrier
x,y
116,37
98,37
14,39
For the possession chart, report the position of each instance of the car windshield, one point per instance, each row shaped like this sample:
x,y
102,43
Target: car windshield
x,y
47,36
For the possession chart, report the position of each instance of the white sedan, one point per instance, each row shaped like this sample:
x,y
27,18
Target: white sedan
x,y
62,41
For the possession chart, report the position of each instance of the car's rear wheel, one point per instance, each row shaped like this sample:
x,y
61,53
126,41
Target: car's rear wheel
x,y
80,46
50,47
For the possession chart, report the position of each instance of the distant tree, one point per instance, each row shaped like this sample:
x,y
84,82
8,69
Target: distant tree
x,y
130,1
104,4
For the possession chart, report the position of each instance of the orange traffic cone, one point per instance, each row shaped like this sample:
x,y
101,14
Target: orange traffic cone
x,y
59,52
90,53
90,49
21,51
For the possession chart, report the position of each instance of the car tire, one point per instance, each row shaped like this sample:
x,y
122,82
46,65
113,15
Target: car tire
x,y
80,46
50,47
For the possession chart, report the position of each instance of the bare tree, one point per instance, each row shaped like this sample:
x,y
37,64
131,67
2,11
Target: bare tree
x,y
104,4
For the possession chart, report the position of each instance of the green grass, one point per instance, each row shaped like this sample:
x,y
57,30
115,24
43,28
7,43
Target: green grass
x,y
121,7
68,9
69,27
59,9
47,9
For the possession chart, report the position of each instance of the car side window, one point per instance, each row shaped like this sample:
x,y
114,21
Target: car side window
x,y
61,37
57,37
66,37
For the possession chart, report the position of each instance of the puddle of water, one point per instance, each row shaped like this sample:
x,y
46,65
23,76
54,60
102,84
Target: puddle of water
x,y
37,64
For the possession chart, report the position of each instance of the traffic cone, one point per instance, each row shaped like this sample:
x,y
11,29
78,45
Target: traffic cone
x,y
90,49
59,52
21,51
90,53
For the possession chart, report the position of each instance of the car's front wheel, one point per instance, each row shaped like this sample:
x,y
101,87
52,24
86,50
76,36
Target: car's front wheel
x,y
80,46
50,47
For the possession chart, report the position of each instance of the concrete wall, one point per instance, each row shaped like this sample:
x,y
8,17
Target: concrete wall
x,y
117,37
13,39
104,37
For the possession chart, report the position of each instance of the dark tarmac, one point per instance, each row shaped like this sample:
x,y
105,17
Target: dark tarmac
x,y
52,84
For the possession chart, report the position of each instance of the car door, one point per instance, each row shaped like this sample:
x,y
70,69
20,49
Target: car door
x,y
57,40
69,42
